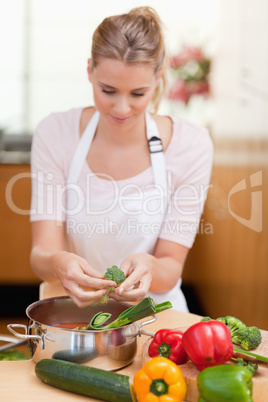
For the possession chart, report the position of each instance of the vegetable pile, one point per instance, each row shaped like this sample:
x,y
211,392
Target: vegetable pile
x,y
208,344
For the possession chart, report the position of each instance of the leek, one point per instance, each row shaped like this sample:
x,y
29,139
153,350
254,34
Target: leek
x,y
144,308
98,320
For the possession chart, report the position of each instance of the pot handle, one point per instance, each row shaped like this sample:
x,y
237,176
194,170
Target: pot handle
x,y
25,335
144,331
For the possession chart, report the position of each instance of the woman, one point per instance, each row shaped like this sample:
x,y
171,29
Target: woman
x,y
115,185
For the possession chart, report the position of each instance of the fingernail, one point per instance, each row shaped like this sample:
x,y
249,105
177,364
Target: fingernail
x,y
120,291
112,284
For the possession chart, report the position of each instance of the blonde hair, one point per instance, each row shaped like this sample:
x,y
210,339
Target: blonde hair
x,y
134,38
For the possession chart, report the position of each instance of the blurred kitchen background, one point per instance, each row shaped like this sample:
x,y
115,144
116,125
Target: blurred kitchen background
x,y
218,78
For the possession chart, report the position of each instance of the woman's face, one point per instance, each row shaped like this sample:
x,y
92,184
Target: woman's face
x,y
122,92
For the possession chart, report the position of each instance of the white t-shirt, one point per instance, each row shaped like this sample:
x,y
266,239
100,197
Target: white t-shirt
x,y
188,160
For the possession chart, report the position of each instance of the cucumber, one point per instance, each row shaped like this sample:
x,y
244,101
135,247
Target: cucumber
x,y
71,355
84,380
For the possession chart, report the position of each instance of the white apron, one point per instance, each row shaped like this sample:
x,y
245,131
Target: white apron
x,y
123,220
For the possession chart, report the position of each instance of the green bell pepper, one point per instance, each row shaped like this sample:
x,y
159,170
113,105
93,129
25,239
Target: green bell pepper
x,y
224,383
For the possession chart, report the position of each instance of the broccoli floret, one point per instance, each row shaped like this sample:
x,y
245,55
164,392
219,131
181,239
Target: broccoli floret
x,y
248,338
249,365
206,319
114,274
234,325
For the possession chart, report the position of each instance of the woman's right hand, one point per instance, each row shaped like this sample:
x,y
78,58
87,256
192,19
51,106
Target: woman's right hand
x,y
81,282
50,262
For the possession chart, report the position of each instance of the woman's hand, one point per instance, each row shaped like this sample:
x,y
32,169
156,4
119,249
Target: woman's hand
x,y
138,272
158,273
81,282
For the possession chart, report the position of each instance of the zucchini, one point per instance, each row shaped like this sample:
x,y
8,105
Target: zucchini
x,y
84,380
70,355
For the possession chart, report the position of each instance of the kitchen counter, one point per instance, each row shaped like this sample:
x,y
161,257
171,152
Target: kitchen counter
x,y
18,381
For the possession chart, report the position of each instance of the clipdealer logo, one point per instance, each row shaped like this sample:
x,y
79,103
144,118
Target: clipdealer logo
x,y
255,220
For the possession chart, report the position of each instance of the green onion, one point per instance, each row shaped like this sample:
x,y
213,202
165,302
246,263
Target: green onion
x,y
246,353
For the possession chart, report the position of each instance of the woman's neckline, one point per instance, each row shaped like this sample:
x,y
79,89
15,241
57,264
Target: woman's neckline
x,y
96,176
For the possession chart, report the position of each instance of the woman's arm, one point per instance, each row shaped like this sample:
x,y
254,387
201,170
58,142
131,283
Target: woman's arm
x,y
157,273
50,262
171,258
47,242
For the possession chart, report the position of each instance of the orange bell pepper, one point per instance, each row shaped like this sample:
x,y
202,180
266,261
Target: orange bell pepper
x,y
160,380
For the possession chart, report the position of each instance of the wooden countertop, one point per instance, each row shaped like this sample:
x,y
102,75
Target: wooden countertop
x,y
18,381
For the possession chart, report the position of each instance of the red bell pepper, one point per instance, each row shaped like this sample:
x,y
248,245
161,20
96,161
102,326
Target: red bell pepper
x,y
208,343
168,343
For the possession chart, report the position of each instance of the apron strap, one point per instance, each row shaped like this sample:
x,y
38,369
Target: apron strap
x,y
157,155
82,149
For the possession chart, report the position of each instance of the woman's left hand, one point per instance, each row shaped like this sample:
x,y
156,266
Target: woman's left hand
x,y
138,272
